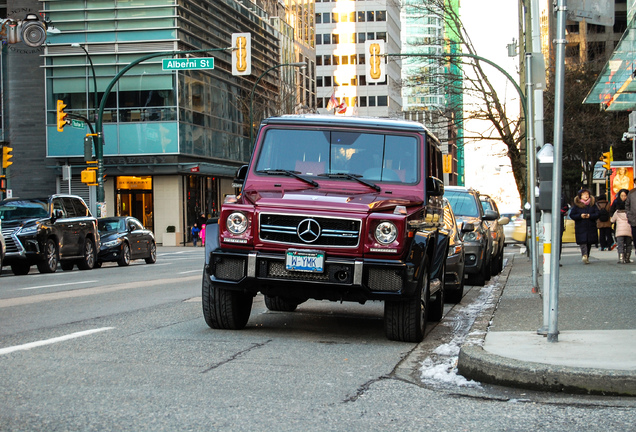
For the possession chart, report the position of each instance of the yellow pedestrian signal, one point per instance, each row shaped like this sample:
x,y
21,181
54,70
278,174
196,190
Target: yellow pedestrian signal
x,y
607,159
3,183
241,54
61,116
89,176
6,155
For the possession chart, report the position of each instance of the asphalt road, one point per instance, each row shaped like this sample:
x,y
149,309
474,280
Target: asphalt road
x,y
128,349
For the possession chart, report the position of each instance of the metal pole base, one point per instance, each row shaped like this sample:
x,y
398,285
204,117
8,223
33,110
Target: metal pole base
x,y
553,337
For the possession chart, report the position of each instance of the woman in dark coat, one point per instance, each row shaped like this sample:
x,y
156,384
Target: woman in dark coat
x,y
584,213
621,196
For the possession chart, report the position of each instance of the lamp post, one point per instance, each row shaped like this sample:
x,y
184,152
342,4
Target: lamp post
x,y
90,61
298,64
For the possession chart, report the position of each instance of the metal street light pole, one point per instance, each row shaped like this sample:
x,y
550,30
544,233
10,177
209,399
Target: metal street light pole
x,y
298,64
90,61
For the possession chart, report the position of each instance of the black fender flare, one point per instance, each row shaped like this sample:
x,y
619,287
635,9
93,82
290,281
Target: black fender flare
x,y
211,238
418,259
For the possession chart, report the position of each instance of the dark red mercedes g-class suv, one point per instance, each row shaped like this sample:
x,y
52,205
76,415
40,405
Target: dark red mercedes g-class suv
x,y
335,208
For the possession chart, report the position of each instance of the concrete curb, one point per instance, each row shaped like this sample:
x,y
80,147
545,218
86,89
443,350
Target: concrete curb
x,y
476,363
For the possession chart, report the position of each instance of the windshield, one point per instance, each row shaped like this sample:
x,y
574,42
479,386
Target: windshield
x,y
463,203
107,225
369,156
32,209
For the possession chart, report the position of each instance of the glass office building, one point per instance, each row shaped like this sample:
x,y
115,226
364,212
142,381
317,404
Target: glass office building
x,y
172,139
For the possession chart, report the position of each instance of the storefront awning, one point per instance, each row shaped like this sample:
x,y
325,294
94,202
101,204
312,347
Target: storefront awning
x,y
615,88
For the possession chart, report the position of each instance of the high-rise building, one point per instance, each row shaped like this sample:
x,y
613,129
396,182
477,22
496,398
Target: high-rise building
x,y
342,28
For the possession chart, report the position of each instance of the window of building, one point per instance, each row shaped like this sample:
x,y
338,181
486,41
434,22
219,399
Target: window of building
x,y
354,80
371,101
318,39
327,81
380,15
370,36
572,27
326,39
335,39
344,60
327,59
319,103
318,18
319,60
595,50
380,36
370,16
362,37
362,80
326,17
595,28
319,81
352,17
572,51
383,101
360,16
620,21
353,59
336,60
334,17
361,59
363,101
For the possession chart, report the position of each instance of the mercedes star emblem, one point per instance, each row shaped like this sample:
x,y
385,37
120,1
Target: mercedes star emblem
x,y
308,230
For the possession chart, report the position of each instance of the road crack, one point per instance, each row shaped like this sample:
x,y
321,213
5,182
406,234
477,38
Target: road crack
x,y
236,355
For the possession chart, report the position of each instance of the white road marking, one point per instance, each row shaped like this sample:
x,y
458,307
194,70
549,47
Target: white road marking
x,y
30,345
56,285
190,271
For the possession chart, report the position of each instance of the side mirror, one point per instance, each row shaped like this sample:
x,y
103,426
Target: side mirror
x,y
491,215
241,173
504,220
467,227
434,187
58,214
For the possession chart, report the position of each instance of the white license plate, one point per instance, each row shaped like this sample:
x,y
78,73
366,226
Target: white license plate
x,y
306,261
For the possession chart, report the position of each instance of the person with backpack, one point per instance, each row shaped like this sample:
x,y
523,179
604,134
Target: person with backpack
x,y
604,224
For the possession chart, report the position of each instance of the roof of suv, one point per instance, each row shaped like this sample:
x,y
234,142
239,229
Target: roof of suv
x,y
341,121
461,189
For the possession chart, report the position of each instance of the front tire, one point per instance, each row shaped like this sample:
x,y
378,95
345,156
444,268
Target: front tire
x,y
20,269
87,262
49,263
405,320
124,258
280,304
152,258
224,309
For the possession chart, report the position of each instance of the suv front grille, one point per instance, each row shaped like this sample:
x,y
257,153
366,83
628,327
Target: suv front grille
x,y
321,231
12,245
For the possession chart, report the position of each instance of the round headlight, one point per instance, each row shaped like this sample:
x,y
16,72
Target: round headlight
x,y
386,233
472,236
237,223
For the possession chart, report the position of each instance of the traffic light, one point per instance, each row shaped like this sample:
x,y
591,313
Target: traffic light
x,y
241,54
89,176
6,155
375,66
61,116
607,159
3,183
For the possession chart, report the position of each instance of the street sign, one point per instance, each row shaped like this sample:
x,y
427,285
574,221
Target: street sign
x,y
188,63
77,124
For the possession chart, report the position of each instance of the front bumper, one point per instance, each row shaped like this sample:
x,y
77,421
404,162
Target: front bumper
x,y
454,271
109,254
343,278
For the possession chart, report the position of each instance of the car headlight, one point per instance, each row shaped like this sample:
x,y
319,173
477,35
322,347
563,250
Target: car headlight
x,y
454,250
112,243
31,229
472,236
236,223
386,233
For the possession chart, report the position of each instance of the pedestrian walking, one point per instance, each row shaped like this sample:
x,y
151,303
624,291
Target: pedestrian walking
x,y
584,214
606,240
630,208
195,234
621,197
623,233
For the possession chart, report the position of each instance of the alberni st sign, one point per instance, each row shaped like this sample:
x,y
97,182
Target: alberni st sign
x,y
188,64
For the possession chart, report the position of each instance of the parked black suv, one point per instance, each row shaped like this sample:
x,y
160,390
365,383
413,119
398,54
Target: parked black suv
x,y
45,231
478,244
497,234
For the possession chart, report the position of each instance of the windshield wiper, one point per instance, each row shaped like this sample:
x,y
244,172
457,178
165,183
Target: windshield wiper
x,y
355,177
290,174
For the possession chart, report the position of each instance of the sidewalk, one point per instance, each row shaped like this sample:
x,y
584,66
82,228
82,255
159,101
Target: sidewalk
x,y
596,348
